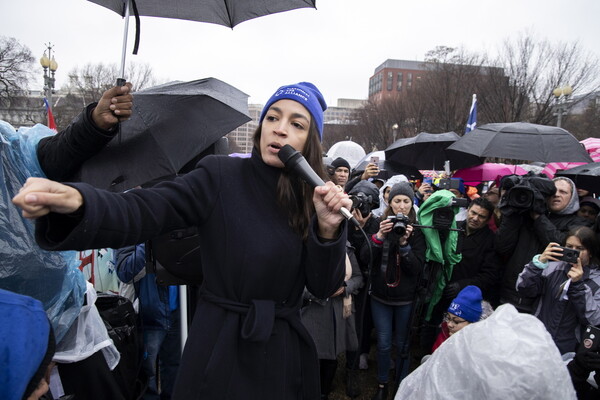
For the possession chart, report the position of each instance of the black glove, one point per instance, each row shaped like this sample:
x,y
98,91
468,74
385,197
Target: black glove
x,y
451,290
590,360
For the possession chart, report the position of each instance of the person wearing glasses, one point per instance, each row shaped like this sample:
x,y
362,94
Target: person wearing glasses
x,y
465,309
568,292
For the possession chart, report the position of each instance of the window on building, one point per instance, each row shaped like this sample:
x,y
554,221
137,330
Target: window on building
x,y
409,80
390,80
399,82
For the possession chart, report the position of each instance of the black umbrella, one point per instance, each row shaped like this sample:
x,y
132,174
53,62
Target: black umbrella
x,y
228,13
585,176
423,151
387,168
517,141
169,126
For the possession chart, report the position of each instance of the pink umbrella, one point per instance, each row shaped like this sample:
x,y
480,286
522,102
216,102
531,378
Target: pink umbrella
x,y
487,172
552,168
592,145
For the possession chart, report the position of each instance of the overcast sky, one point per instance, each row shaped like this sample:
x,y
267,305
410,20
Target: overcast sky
x,y
337,47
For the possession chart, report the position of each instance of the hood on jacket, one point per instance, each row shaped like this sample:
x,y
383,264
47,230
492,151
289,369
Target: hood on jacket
x,y
573,205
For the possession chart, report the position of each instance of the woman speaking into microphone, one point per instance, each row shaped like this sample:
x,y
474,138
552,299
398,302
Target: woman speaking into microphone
x,y
265,236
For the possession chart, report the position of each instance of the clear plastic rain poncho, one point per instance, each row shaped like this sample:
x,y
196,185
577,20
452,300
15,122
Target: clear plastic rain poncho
x,y
51,277
506,356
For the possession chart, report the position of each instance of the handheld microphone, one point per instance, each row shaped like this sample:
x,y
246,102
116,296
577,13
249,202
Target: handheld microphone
x,y
295,162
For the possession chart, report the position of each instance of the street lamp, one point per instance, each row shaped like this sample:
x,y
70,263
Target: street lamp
x,y
561,94
394,132
49,63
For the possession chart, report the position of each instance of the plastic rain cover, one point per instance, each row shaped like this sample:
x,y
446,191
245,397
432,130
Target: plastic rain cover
x,y
506,356
51,277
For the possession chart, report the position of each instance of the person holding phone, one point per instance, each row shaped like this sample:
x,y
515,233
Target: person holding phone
x,y
568,291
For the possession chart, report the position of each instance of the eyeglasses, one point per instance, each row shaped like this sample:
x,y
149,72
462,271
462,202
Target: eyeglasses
x,y
454,319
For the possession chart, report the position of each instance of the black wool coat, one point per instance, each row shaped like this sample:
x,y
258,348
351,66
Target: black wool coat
x,y
246,340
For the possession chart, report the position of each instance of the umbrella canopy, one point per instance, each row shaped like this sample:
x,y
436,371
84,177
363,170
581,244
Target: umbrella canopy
x,y
517,141
423,151
585,176
228,13
387,168
592,146
169,126
348,150
222,12
552,168
473,176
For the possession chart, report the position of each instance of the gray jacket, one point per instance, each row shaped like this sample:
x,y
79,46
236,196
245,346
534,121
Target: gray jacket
x,y
563,318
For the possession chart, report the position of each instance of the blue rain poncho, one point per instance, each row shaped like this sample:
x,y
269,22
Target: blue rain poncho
x,y
51,277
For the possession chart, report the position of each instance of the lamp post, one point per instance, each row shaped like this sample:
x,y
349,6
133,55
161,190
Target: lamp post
x,y
561,94
49,63
394,132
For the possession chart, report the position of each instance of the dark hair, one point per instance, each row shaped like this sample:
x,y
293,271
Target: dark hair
x,y
293,195
483,203
588,239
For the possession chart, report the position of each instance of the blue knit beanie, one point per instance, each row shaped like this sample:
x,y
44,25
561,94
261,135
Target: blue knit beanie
x,y
304,93
24,345
467,305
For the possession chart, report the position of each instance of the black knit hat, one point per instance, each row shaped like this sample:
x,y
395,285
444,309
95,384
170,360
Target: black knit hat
x,y
404,188
369,189
340,162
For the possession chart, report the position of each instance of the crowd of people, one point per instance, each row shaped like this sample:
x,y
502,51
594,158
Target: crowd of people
x,y
289,285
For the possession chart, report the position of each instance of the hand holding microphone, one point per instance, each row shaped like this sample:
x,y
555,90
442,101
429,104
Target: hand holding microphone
x,y
329,199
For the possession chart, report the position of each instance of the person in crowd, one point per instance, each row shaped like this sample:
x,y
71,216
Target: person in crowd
x,y
493,196
246,339
465,309
379,182
589,207
522,235
159,321
398,257
370,172
26,347
568,293
53,278
479,265
459,190
331,322
424,191
384,193
366,196
340,171
580,369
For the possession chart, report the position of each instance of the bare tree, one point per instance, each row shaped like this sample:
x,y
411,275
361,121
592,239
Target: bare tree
x,y
87,83
15,67
533,68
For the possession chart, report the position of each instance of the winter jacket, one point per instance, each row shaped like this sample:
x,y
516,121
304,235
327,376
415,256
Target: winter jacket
x,y
323,318
156,301
562,317
404,265
61,155
246,339
519,238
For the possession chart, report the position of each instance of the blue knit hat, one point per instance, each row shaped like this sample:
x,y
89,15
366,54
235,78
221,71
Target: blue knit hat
x,y
26,345
467,305
304,93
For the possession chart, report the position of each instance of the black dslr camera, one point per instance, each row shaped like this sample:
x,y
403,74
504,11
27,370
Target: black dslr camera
x,y
400,222
444,216
525,193
362,203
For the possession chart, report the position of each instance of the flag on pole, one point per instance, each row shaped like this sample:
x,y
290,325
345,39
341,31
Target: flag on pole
x,y
51,123
472,121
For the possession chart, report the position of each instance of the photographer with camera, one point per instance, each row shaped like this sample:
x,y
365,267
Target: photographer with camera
x,y
566,281
398,257
535,211
365,198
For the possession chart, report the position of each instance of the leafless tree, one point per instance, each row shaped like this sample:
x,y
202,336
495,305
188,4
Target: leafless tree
x,y
15,67
533,68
